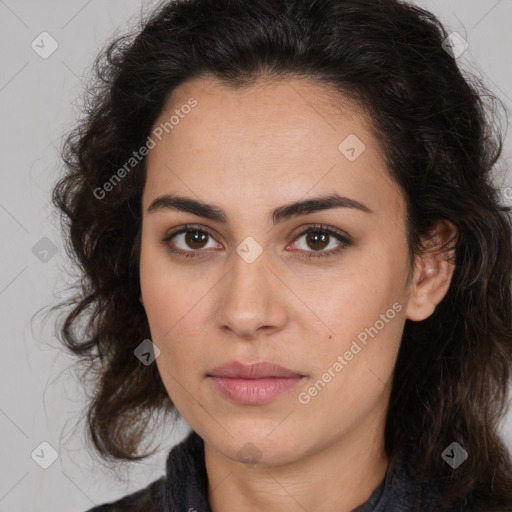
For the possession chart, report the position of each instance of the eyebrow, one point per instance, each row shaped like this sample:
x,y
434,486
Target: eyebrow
x,y
280,214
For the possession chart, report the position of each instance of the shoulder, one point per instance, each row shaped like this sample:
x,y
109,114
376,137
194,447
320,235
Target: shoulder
x,y
148,499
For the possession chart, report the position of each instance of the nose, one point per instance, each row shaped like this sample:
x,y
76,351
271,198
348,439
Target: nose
x,y
251,298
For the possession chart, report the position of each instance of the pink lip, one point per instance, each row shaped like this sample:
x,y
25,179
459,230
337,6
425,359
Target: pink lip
x,y
253,384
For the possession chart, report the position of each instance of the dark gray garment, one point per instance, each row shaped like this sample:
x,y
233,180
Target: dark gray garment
x,y
185,487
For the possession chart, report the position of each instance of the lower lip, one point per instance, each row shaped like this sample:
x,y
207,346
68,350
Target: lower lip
x,y
254,391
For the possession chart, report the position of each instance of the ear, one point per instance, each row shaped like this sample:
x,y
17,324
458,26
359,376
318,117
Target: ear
x,y
433,271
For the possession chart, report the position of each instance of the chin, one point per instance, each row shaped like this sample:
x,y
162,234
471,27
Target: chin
x,y
255,446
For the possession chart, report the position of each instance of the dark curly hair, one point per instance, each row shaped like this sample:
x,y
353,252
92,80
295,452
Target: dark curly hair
x,y
437,129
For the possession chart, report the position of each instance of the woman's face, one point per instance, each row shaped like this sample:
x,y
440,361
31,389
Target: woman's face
x,y
247,283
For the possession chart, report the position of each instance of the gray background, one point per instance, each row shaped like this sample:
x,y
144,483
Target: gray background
x,y
40,397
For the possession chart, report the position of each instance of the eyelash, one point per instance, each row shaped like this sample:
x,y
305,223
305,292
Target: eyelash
x,y
318,228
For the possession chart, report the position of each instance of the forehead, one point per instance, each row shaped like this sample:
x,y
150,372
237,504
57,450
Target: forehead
x,y
266,106
270,139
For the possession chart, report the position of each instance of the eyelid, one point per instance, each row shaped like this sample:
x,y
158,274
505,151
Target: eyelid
x,y
188,227
295,233
302,230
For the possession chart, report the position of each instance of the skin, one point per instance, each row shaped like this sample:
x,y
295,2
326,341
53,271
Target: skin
x,y
248,152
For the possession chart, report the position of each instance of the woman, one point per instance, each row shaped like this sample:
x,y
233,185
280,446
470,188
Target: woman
x,y
285,219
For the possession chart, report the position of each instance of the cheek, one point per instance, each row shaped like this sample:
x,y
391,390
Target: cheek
x,y
360,300
172,319
173,310
366,317
165,298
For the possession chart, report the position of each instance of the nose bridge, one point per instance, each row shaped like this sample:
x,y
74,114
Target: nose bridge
x,y
250,295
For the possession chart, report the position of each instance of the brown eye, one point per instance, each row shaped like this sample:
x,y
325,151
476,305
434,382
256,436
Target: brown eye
x,y
318,238
196,239
190,241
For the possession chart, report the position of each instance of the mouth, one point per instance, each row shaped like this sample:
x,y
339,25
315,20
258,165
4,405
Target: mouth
x,y
253,384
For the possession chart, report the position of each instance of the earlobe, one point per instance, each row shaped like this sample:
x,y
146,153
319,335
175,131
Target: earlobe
x,y
433,273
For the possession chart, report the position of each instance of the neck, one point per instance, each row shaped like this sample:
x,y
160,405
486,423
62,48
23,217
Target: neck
x,y
339,476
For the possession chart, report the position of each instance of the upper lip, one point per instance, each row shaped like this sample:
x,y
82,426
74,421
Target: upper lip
x,y
259,370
